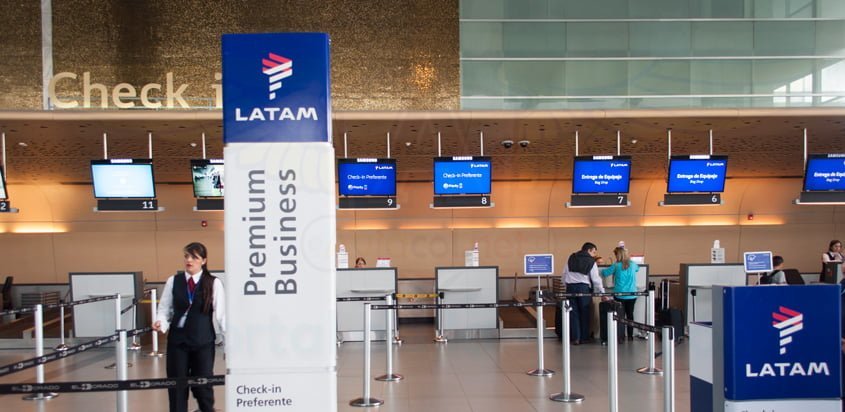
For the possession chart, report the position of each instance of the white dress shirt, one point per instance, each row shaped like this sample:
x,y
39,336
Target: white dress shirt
x,y
165,306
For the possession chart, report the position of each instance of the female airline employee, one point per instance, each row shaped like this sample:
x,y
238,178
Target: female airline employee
x,y
190,303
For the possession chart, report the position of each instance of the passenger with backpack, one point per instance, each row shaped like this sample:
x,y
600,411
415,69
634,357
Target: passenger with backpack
x,y
777,276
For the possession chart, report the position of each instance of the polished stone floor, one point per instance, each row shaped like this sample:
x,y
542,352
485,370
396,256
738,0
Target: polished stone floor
x,y
479,375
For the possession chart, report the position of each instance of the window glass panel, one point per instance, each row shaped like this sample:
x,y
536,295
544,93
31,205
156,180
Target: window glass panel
x,y
830,38
596,78
534,39
791,78
482,78
659,77
597,39
504,9
533,78
784,38
720,77
592,9
481,40
783,9
658,9
832,81
719,8
831,8
730,38
650,39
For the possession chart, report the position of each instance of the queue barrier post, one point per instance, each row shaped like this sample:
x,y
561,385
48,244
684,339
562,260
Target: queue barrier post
x,y
366,401
120,361
669,369
117,316
135,345
541,330
440,337
389,376
39,351
612,362
61,347
153,309
566,395
651,369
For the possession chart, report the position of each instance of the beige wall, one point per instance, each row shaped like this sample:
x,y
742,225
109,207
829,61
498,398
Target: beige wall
x,y
57,231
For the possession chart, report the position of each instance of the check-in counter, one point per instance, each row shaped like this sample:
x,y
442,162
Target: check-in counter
x,y
362,282
469,285
699,278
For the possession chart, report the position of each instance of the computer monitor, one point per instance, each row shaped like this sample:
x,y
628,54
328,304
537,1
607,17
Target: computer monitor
x,y
123,178
207,177
601,174
3,194
825,172
462,175
697,173
366,177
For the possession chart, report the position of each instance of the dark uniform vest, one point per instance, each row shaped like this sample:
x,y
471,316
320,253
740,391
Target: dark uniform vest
x,y
199,327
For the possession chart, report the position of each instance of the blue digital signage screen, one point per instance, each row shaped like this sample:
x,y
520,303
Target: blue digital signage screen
x,y
123,178
601,174
207,177
697,173
825,172
3,194
366,177
462,175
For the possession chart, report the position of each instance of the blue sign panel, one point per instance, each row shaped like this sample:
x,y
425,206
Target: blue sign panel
x,y
757,262
543,264
782,342
825,172
366,177
601,174
462,175
276,88
697,174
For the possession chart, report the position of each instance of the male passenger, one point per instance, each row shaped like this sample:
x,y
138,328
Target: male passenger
x,y
582,276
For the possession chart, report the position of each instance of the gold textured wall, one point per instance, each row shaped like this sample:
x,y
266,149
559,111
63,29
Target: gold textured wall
x,y
386,54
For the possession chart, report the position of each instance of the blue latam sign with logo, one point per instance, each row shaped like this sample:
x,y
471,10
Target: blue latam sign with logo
x,y
782,342
276,88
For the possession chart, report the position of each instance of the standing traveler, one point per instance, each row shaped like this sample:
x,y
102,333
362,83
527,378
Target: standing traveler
x,y
624,273
582,276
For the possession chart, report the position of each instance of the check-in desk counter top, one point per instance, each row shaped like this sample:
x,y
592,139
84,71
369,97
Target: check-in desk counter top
x,y
469,285
362,282
701,277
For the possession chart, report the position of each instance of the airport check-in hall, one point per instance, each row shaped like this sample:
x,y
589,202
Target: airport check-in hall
x,y
456,205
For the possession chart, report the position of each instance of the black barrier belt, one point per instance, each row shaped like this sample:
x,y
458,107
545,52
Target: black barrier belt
x,y
110,386
73,350
79,302
18,311
640,326
598,294
463,305
126,309
362,299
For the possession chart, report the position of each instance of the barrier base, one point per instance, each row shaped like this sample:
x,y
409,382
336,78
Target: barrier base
x,y
154,354
393,377
650,371
61,348
40,396
366,402
114,365
540,372
567,397
134,346
397,340
440,339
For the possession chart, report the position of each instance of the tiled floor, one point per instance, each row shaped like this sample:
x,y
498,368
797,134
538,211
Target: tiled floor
x,y
485,375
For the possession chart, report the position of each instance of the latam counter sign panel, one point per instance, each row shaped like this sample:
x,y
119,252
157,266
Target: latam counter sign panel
x,y
782,342
276,88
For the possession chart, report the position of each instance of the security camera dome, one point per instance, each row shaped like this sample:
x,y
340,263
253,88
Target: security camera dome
x,y
507,144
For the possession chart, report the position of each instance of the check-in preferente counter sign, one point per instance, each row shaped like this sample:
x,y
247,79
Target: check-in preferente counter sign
x,y
279,223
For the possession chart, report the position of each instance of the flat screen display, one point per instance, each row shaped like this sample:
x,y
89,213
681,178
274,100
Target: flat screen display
x,y
366,177
825,172
3,194
123,178
601,174
207,177
462,175
697,173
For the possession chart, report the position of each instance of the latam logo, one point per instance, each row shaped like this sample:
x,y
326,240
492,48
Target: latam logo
x,y
277,68
787,322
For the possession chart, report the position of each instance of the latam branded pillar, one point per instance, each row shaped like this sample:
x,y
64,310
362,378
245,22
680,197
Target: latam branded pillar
x,y
279,222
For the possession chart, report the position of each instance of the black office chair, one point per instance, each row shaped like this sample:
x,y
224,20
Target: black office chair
x,y
7,293
793,277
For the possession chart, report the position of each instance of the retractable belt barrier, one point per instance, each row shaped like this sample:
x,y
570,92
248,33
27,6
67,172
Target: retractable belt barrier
x,y
73,350
362,299
419,295
79,302
111,386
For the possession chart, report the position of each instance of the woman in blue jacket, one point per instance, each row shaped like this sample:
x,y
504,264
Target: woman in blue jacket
x,y
624,273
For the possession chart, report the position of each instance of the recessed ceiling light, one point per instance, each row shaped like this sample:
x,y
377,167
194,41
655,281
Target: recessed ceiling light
x,y
23,144
193,144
